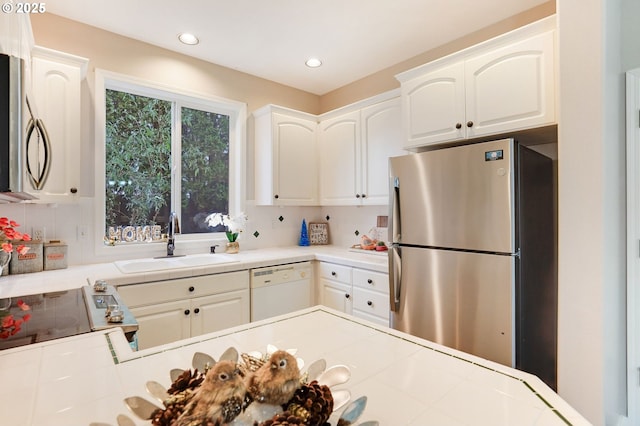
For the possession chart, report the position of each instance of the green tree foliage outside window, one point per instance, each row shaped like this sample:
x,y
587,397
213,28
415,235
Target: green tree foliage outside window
x,y
139,161
205,168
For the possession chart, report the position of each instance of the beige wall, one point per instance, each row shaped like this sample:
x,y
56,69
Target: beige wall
x,y
123,55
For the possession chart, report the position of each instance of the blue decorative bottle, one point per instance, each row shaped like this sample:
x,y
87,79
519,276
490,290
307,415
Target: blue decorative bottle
x,y
304,237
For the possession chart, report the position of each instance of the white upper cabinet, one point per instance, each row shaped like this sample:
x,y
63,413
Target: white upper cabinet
x,y
286,171
502,85
512,87
381,138
354,152
433,106
340,180
56,99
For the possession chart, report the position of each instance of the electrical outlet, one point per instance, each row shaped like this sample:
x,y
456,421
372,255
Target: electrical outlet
x,y
82,232
38,233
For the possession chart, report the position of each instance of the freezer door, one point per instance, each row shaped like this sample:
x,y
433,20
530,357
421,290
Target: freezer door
x,y
460,197
462,300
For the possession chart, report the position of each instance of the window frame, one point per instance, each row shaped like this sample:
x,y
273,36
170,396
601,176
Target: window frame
x,y
237,112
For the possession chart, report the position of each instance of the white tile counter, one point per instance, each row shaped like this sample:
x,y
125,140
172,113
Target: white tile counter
x,y
77,276
407,380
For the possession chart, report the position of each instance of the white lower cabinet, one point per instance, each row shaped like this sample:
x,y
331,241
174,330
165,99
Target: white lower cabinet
x,y
335,286
220,311
161,323
371,296
360,292
172,310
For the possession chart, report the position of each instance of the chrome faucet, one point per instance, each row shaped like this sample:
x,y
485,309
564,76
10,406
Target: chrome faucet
x,y
173,228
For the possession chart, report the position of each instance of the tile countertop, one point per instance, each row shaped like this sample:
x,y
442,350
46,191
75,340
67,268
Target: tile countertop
x,y
77,276
407,380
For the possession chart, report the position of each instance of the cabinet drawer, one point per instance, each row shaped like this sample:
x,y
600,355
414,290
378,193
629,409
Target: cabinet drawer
x,y
337,273
183,288
371,302
370,280
373,318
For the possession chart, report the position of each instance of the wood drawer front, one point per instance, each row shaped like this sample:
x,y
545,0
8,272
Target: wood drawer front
x,y
184,288
376,281
333,272
371,302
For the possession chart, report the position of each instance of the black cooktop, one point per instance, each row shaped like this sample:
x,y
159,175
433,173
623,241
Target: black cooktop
x,y
53,315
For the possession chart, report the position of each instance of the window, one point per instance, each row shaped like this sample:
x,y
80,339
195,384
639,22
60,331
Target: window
x,y
164,151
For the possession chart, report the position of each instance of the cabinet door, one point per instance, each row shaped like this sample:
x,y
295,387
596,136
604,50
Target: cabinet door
x,y
381,138
434,107
56,79
512,87
336,295
286,163
162,323
214,313
295,169
339,140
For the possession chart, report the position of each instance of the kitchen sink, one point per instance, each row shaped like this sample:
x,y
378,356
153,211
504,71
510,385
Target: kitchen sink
x,y
176,262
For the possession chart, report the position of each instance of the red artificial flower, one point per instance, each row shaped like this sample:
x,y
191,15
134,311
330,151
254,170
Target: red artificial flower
x,y
10,325
7,321
4,222
22,249
7,247
10,233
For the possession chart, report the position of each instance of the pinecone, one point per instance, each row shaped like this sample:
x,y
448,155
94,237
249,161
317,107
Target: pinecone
x,y
284,419
313,403
187,380
180,394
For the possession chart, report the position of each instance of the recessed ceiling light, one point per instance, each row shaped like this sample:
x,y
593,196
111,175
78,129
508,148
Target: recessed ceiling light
x,y
188,38
313,62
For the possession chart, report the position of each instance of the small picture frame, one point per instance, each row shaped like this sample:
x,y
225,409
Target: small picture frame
x,y
318,233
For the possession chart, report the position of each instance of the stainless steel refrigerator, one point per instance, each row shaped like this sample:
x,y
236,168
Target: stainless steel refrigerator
x,y
472,263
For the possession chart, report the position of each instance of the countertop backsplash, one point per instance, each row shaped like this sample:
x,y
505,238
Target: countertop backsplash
x,y
74,224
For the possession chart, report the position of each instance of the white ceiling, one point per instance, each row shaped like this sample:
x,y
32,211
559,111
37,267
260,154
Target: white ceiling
x,y
273,38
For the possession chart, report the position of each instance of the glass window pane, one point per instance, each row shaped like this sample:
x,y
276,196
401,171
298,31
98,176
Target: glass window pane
x,y
137,161
205,169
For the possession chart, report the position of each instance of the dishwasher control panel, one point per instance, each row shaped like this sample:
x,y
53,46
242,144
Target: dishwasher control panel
x,y
273,275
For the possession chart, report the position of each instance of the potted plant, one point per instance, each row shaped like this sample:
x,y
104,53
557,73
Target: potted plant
x,y
234,224
9,235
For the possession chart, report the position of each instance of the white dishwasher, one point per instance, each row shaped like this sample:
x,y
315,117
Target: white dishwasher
x,y
277,290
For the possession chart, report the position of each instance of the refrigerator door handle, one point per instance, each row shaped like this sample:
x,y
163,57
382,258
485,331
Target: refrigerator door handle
x,y
394,211
395,277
